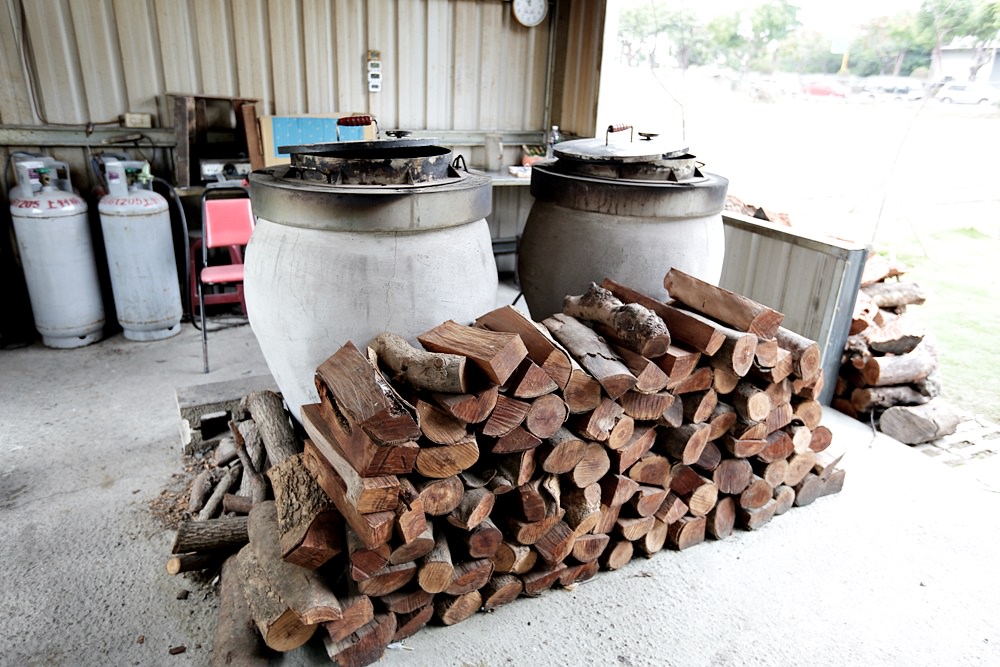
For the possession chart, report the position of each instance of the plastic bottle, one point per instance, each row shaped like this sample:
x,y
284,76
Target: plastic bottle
x,y
554,138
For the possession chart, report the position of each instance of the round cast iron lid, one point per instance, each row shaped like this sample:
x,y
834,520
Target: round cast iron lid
x,y
390,162
620,144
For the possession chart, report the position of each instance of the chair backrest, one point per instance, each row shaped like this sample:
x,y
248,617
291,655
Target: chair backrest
x,y
227,222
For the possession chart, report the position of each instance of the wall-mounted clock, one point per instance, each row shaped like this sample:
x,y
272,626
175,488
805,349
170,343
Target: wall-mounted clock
x,y
530,12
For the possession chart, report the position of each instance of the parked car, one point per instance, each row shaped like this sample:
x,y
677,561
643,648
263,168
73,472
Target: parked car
x,y
969,93
824,89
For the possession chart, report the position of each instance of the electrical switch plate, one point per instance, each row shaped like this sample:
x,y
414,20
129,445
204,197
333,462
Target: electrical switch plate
x,y
141,120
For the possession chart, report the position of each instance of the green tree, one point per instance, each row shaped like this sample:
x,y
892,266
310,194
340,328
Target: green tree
x,y
891,45
983,26
749,40
806,52
946,20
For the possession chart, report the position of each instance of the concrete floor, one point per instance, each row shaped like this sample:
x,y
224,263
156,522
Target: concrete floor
x,y
898,569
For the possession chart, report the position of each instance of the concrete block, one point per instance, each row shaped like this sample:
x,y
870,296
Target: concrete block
x,y
205,409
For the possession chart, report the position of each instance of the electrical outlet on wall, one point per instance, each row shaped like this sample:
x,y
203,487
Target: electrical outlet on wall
x,y
132,119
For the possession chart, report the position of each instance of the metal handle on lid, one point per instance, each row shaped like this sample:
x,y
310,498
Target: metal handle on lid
x,y
356,121
620,127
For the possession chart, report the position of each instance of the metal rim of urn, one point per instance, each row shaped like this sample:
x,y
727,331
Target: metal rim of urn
x,y
368,163
640,198
312,205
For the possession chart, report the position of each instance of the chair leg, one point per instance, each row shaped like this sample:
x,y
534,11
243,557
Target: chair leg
x,y
204,329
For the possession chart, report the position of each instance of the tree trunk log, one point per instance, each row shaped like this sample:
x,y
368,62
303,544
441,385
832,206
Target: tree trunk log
x,y
734,309
237,641
421,369
919,423
638,328
497,354
223,533
269,414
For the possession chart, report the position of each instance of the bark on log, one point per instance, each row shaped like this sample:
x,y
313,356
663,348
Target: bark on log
x,y
899,369
897,334
214,534
497,354
252,482
421,369
894,294
214,502
281,629
807,361
690,328
237,641
866,399
919,423
590,350
734,309
202,486
309,525
272,421
202,560
638,328
302,589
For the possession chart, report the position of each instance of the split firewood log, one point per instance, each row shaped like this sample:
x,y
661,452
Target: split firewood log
x,y
724,305
497,354
689,328
592,352
542,350
432,371
638,328
302,589
237,640
309,524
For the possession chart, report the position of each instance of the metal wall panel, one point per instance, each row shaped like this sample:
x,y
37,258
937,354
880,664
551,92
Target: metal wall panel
x,y
447,64
813,281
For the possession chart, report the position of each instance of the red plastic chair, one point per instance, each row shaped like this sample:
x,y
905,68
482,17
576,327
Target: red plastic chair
x,y
227,222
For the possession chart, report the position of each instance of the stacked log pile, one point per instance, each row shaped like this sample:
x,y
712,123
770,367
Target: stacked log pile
x,y
889,370
508,457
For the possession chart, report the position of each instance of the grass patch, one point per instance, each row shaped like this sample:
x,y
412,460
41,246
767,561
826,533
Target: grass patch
x,y
958,270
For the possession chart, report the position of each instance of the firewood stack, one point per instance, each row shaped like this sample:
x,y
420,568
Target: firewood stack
x,y
508,457
889,370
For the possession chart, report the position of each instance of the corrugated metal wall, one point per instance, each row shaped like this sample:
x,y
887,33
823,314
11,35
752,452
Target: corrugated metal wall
x,y
447,64
813,281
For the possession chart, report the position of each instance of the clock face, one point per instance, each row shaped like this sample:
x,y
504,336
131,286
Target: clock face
x,y
530,12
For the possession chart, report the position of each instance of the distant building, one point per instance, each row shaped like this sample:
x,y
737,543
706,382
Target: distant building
x,y
957,60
